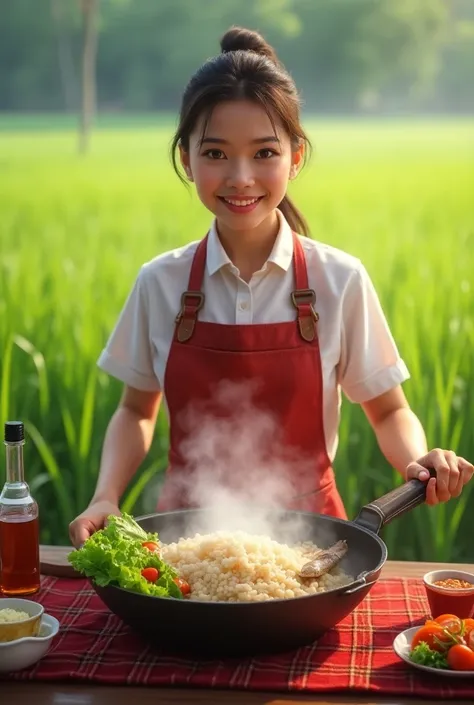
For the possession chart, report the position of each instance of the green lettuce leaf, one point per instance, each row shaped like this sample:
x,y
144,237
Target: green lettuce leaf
x,y
425,656
125,526
114,555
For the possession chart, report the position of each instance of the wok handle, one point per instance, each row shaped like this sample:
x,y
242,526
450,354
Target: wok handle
x,y
392,505
359,584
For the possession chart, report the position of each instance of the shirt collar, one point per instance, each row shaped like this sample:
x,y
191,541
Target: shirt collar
x,y
281,254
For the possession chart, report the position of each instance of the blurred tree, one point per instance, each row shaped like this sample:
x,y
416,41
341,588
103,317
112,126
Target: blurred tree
x,y
398,45
89,10
150,49
345,55
28,58
355,49
67,70
455,85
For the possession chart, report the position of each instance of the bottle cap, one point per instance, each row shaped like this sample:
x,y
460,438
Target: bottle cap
x,y
14,431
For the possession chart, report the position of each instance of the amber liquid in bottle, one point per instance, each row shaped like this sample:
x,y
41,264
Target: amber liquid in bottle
x,y
19,522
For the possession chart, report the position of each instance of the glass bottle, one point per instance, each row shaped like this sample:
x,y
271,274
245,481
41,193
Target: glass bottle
x,y
19,522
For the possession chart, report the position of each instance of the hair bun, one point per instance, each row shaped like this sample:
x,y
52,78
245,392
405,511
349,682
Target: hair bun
x,y
247,40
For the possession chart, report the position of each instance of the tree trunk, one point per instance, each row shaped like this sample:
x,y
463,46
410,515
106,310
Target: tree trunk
x,y
89,53
65,59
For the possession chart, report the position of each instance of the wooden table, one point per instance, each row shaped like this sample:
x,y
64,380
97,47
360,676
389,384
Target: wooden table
x,y
84,694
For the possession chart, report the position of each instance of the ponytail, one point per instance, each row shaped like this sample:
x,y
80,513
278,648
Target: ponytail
x,y
295,219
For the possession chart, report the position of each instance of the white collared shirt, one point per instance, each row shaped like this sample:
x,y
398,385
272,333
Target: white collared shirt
x,y
358,353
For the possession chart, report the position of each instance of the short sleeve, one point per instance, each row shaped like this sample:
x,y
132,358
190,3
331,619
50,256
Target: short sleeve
x,y
128,355
370,363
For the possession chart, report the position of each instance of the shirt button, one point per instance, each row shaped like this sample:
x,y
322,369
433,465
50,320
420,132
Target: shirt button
x,y
243,306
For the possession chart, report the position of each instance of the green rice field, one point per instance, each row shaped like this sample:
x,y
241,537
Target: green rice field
x,y
75,230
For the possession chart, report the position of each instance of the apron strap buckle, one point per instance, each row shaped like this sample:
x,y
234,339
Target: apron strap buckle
x,y
304,300
191,303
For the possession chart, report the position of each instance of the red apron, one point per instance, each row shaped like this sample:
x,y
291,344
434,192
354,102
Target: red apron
x,y
266,380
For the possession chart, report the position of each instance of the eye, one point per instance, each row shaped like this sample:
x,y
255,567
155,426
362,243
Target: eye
x,y
266,153
214,154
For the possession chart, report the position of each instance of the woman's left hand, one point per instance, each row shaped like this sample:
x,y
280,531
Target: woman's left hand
x,y
452,473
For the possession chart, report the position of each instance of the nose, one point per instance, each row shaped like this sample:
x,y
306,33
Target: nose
x,y
240,175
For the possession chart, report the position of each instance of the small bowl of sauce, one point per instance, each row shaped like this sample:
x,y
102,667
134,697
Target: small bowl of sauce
x,y
450,592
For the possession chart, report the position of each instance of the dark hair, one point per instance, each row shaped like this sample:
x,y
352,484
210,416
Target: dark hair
x,y
247,68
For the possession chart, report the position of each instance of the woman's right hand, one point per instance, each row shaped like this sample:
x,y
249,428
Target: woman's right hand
x,y
90,520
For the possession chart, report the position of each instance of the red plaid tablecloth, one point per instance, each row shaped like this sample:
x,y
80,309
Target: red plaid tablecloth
x,y
94,645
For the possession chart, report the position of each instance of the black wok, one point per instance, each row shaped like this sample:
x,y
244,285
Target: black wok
x,y
223,629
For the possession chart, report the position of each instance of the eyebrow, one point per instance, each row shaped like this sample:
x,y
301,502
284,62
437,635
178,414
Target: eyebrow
x,y
258,140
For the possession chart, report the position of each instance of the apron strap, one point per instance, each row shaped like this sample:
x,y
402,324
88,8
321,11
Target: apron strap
x,y
302,297
192,300
191,303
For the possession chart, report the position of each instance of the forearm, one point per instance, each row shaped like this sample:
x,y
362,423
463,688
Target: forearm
x,y
401,438
127,442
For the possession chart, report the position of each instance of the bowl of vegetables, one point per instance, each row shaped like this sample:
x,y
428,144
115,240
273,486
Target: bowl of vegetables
x,y
443,646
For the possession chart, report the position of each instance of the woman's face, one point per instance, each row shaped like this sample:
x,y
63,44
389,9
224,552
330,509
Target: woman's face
x,y
242,166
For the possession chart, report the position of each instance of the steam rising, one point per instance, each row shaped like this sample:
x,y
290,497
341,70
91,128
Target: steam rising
x,y
242,469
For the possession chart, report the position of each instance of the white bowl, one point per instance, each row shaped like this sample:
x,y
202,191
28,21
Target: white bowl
x,y
402,647
29,626
24,652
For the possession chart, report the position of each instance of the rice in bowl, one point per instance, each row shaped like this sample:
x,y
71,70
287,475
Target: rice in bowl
x,y
9,615
239,567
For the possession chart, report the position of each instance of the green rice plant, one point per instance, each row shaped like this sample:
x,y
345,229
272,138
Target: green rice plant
x,y
75,231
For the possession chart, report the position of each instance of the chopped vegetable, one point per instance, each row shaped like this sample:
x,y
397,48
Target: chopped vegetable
x,y
446,642
425,656
433,635
451,622
469,639
115,555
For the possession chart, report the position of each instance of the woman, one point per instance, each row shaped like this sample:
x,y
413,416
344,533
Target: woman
x,y
253,321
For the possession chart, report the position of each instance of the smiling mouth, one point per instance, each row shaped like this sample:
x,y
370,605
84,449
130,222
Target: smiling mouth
x,y
240,202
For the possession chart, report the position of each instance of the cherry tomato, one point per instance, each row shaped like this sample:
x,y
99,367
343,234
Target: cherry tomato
x,y
444,617
427,633
468,624
461,658
151,574
151,545
451,622
183,585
